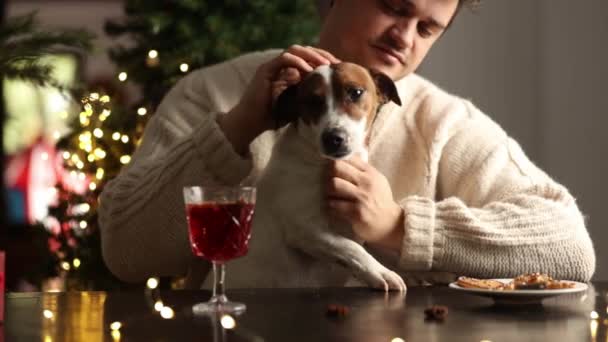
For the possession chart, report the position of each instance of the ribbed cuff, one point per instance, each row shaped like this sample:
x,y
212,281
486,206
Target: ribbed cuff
x,y
218,153
423,238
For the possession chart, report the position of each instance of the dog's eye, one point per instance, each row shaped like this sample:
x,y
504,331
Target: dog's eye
x,y
354,93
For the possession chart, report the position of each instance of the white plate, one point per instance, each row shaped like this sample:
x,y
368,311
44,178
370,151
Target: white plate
x,y
518,297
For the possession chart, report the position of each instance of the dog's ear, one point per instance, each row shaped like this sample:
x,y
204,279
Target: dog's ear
x,y
285,108
386,87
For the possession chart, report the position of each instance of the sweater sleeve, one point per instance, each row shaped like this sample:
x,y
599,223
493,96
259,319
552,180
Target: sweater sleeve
x,y
141,211
496,214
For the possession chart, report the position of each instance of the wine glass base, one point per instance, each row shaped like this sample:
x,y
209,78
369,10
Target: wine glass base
x,y
210,308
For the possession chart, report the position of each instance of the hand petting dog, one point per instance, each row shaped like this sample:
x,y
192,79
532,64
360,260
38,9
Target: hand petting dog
x,y
359,194
251,116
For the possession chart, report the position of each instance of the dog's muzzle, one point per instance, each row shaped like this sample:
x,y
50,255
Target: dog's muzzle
x,y
334,142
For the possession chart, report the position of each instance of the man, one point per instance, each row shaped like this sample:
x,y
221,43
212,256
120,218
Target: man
x,y
446,191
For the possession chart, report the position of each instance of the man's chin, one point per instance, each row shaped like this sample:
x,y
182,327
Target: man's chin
x,y
392,71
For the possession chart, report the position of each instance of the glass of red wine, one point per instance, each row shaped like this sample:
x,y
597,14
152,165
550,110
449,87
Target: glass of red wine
x,y
219,226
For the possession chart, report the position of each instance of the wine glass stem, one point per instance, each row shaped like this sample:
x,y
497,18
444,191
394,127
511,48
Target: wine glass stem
x,y
219,272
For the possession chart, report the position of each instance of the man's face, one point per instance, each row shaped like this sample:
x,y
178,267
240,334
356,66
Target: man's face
x,y
392,36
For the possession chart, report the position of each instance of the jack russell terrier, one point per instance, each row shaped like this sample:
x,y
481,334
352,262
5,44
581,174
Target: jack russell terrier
x,y
294,243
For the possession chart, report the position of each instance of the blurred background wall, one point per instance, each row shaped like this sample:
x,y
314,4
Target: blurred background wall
x,y
537,67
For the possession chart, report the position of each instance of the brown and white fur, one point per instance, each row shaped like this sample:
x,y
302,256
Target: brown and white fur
x,y
294,243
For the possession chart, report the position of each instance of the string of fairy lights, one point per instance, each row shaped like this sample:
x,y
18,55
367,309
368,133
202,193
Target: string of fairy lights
x,y
88,161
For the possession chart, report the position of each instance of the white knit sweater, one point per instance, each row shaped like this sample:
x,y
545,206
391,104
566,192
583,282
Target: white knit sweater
x,y
474,203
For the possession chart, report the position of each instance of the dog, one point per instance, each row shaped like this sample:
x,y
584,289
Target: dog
x,y
328,115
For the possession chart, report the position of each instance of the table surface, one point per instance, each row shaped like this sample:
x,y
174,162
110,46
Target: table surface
x,y
301,315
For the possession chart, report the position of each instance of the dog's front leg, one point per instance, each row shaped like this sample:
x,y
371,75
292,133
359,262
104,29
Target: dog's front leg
x,y
314,238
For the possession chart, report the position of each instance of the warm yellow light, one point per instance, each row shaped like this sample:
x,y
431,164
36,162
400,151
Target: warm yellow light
x,y
85,136
115,325
73,173
99,173
66,155
48,314
56,135
99,153
98,133
485,341
104,115
142,111
158,305
48,338
184,67
76,263
88,108
125,159
115,335
91,158
397,339
153,54
81,175
594,315
124,138
228,322
152,283
65,265
83,224
122,76
79,165
84,121
593,327
94,96
167,313
116,136
92,186
105,99
44,156
63,115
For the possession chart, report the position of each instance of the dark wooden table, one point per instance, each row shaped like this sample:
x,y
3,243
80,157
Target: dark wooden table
x,y
300,315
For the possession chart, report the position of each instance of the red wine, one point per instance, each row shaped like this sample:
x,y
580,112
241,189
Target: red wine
x,y
220,231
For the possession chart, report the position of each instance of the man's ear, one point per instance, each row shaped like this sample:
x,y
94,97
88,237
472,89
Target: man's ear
x,y
386,87
285,108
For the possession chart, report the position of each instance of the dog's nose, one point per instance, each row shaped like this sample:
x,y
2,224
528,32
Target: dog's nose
x,y
334,141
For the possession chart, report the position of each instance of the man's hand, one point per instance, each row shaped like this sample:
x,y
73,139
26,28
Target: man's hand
x,y
361,195
251,116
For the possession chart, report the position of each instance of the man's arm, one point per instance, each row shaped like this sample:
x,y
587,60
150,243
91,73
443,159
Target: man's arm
x,y
496,214
141,214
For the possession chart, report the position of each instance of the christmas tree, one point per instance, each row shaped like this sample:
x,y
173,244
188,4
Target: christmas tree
x,y
23,44
167,40
24,50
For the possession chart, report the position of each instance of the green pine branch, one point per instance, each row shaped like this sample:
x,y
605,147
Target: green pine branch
x,y
23,44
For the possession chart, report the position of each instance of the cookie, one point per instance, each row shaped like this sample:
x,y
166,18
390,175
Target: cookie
x,y
474,283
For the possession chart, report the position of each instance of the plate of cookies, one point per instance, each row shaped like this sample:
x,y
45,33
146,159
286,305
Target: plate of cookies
x,y
530,288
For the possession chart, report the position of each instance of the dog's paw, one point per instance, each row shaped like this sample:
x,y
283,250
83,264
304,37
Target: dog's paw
x,y
384,279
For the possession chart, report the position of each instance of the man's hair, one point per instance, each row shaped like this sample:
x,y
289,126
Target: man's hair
x,y
471,4
323,6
